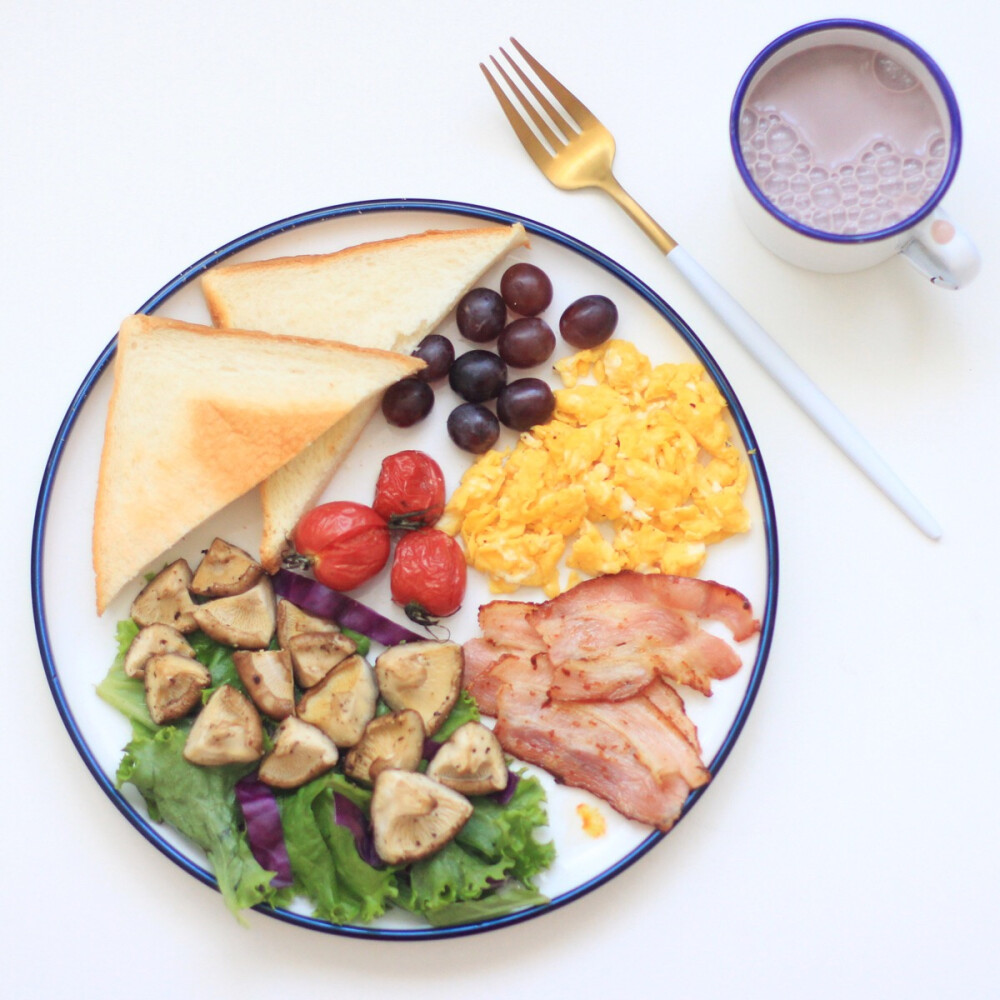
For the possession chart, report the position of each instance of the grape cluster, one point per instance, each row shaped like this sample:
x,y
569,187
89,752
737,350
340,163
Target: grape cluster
x,y
510,320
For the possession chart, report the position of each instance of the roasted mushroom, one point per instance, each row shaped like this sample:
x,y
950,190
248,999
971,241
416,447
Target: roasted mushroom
x,y
301,752
292,621
153,639
165,599
315,654
343,703
225,570
395,740
226,731
245,620
425,676
267,676
470,761
173,685
413,815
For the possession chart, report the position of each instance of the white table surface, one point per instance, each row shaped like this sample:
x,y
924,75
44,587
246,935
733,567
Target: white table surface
x,y
849,845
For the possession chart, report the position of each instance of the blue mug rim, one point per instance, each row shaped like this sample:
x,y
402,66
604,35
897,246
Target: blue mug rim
x,y
815,27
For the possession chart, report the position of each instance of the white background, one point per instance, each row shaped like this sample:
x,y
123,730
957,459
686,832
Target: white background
x,y
849,845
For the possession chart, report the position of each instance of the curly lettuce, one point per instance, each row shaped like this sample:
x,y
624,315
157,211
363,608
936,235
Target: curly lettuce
x,y
488,870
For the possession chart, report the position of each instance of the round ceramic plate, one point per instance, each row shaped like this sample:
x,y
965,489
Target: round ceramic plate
x,y
77,647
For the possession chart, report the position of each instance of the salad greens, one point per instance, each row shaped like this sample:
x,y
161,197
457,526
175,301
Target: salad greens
x,y
488,870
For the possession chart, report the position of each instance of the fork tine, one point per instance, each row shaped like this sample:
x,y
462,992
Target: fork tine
x,y
564,126
555,141
528,138
568,100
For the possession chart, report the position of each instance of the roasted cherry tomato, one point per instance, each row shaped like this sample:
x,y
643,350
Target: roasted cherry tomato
x,y
345,543
428,575
410,490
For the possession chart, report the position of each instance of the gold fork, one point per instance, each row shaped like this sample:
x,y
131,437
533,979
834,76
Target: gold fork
x,y
576,151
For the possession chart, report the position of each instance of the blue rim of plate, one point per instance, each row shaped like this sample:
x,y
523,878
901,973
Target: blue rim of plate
x,y
321,215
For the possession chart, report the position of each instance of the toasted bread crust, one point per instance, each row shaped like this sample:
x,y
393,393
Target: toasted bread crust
x,y
198,416
384,294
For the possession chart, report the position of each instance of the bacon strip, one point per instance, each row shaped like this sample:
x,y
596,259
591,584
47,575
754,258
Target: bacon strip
x,y
578,685
506,632
610,636
580,748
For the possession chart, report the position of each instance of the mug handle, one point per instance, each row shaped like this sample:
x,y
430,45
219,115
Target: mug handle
x,y
942,251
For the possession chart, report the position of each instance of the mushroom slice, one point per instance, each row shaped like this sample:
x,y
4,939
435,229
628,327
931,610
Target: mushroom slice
x,y
343,703
393,740
226,731
425,676
267,676
292,620
153,639
245,620
225,570
301,752
173,685
471,761
165,599
315,654
413,815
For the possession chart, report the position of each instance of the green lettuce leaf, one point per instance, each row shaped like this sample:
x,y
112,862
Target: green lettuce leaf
x,y
487,871
465,710
325,862
497,844
506,898
200,803
126,694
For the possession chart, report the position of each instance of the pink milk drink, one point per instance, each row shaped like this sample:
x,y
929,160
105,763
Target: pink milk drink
x,y
846,136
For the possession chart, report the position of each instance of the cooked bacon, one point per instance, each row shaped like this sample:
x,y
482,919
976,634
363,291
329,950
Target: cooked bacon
x,y
657,742
579,685
581,748
610,636
506,632
670,703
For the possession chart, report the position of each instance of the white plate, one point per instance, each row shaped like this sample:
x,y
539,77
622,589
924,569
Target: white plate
x,y
77,647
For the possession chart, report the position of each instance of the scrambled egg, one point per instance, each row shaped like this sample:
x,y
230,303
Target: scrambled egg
x,y
592,820
635,470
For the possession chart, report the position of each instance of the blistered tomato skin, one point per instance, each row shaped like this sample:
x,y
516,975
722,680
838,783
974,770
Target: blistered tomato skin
x,y
428,574
345,543
410,491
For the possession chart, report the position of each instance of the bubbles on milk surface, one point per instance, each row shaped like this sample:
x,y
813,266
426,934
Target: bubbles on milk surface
x,y
843,139
878,188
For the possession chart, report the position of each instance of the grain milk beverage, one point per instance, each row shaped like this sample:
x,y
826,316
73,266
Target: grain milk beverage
x,y
843,139
846,136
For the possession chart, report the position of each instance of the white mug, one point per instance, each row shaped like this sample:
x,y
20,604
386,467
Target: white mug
x,y
846,136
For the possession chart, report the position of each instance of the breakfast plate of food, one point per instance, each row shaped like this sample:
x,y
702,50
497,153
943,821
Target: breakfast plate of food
x,y
404,569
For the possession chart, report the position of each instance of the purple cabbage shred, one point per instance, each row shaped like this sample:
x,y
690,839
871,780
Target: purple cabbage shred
x,y
264,832
349,815
317,599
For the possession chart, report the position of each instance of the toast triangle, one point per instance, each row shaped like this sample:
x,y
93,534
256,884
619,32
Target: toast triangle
x,y
386,295
198,416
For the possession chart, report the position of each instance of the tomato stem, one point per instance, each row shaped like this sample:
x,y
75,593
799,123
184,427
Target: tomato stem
x,y
295,560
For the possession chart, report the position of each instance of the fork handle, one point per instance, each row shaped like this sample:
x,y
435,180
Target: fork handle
x,y
802,389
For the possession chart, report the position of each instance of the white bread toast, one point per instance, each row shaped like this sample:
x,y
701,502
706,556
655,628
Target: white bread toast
x,y
386,295
198,416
